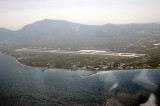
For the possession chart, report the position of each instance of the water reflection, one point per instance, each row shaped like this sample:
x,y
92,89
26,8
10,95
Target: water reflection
x,y
21,85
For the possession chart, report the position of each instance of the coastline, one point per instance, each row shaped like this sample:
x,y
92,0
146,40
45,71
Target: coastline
x,y
25,64
21,63
46,68
92,71
17,60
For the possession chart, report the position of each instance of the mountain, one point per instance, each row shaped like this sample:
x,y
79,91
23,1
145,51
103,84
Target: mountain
x,y
6,34
54,32
64,34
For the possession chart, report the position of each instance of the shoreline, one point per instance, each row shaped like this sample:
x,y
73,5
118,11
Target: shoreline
x,y
25,64
92,71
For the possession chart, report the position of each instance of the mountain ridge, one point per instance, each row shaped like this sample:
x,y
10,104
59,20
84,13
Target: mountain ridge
x,y
108,24
64,34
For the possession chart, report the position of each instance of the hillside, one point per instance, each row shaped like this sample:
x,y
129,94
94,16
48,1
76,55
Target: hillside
x,y
62,44
63,34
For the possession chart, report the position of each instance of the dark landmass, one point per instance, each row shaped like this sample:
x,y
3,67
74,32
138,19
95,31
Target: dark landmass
x,y
67,36
90,62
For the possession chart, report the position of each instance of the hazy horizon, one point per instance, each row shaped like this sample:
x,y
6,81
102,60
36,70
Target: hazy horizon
x,y
17,13
75,22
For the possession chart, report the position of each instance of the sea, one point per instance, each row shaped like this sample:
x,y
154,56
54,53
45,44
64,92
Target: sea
x,y
31,86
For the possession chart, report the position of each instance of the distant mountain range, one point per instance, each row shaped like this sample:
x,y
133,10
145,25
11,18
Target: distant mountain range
x,y
63,34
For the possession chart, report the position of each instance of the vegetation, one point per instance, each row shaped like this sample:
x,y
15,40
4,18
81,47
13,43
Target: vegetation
x,y
86,62
53,34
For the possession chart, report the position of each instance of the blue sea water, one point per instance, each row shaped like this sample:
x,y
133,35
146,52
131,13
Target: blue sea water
x,y
29,86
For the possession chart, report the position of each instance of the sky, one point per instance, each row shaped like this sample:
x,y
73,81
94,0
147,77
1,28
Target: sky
x,y
14,14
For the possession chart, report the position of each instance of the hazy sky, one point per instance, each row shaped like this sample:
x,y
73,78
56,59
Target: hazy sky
x,y
14,14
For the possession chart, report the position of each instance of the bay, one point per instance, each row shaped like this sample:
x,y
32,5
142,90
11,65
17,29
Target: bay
x,y
25,86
